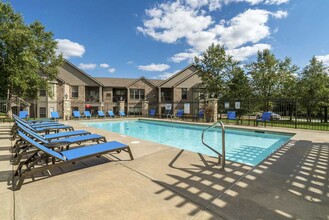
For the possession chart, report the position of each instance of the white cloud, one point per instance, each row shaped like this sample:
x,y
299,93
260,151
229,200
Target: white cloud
x,y
324,59
69,48
249,26
104,65
154,67
276,2
130,62
166,75
280,14
192,22
169,22
189,56
242,53
111,70
87,66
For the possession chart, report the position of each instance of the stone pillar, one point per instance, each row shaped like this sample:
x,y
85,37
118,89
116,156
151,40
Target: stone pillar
x,y
145,108
100,94
159,101
213,104
122,105
66,109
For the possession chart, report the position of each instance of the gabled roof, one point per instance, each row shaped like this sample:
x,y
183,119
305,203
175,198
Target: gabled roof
x,y
115,82
186,78
173,80
73,79
125,82
141,78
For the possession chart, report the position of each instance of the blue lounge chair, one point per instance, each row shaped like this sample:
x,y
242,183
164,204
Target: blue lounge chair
x,y
45,129
87,114
231,115
101,114
23,114
20,149
76,114
43,153
111,114
152,113
180,113
54,115
37,124
266,117
122,113
200,115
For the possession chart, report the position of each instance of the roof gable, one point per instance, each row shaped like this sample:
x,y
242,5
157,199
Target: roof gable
x,y
178,77
72,75
142,78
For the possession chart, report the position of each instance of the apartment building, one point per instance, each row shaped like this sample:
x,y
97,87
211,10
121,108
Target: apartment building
x,y
75,90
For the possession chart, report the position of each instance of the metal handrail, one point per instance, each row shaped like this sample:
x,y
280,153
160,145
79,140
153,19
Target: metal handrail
x,y
221,156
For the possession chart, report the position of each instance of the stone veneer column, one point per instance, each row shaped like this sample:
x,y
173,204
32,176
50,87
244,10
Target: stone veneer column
x,y
66,109
122,105
214,104
145,108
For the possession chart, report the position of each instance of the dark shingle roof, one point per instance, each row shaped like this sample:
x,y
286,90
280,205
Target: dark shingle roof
x,y
122,82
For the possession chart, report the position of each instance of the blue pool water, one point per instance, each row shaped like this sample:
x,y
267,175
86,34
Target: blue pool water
x,y
244,146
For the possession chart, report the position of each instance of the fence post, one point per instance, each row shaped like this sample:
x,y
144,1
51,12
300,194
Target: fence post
x,y
296,113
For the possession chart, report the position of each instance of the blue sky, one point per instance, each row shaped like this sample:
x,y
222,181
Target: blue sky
x,y
155,39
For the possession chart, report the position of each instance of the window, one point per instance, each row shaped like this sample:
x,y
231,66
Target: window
x,y
75,91
42,112
137,93
42,92
184,93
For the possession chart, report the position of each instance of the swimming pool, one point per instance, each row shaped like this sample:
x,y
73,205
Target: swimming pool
x,y
244,146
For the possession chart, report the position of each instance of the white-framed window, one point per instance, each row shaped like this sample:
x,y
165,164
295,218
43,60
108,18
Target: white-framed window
x,y
137,93
75,91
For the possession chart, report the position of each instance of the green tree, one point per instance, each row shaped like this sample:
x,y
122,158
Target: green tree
x,y
214,67
28,59
313,86
271,77
238,85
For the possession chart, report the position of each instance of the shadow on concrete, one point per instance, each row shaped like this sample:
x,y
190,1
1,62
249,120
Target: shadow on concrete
x,y
291,183
204,182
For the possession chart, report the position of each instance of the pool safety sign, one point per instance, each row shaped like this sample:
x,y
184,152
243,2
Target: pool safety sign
x,y
186,108
237,105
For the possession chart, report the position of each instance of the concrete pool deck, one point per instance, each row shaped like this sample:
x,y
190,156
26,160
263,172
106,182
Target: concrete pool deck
x,y
169,183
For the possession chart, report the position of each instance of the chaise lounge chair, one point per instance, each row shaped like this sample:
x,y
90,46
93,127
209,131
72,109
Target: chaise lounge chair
x,y
111,114
180,113
54,116
87,114
152,113
59,158
266,117
23,115
20,148
76,114
101,114
122,114
45,129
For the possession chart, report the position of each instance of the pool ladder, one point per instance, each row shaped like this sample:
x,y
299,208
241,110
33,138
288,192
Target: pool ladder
x,y
221,156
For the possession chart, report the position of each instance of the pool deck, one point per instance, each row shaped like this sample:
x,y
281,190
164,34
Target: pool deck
x,y
169,183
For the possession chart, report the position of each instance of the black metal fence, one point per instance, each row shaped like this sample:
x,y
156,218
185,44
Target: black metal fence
x,y
290,113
